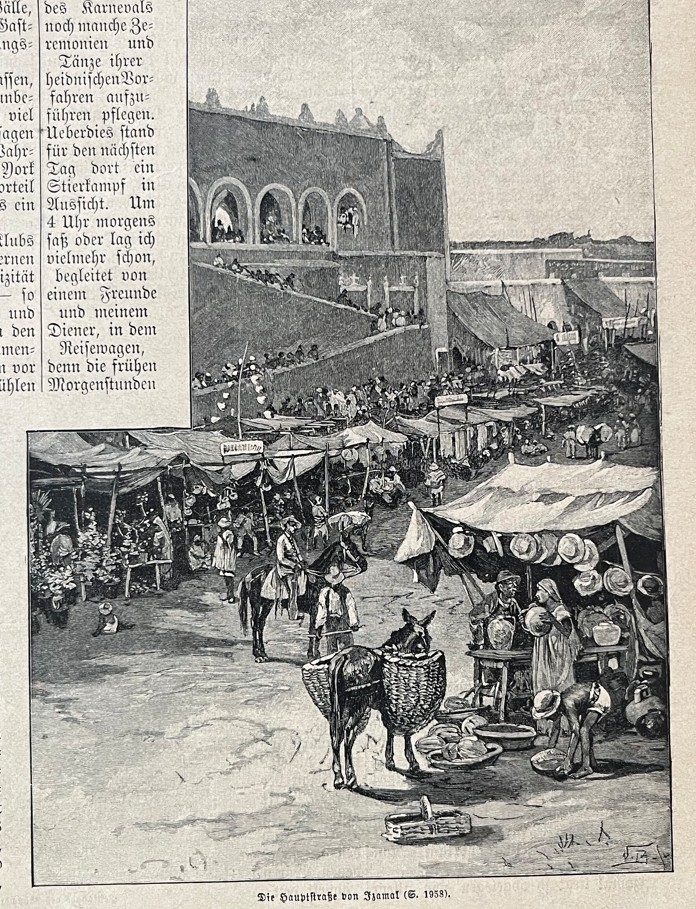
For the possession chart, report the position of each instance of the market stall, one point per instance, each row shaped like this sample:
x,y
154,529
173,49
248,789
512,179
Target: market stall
x,y
594,529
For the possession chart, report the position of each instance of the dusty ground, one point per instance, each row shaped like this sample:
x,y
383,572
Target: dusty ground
x,y
167,754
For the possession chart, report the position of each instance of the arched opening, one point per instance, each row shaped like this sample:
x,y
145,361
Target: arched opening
x,y
552,325
229,220
275,214
194,214
315,219
350,220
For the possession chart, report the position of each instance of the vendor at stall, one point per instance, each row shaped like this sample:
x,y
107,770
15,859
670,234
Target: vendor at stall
x,y
502,603
556,643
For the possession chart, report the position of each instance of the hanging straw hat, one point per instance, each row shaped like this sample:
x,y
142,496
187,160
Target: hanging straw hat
x,y
571,548
460,544
546,703
224,523
617,582
492,544
590,557
650,585
546,545
588,583
524,547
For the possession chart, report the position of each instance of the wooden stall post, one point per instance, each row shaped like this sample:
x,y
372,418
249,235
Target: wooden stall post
x,y
264,510
112,507
76,513
326,478
367,472
239,390
160,494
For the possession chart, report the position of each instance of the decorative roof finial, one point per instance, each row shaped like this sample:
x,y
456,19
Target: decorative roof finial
x,y
212,99
306,115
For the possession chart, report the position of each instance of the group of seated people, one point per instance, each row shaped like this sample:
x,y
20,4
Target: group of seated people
x,y
229,234
283,359
274,233
262,275
314,236
229,373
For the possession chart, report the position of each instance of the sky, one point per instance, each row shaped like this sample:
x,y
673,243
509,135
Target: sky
x,y
545,104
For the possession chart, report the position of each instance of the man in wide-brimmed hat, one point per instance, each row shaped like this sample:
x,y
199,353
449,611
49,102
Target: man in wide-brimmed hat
x,y
502,603
289,569
583,705
337,613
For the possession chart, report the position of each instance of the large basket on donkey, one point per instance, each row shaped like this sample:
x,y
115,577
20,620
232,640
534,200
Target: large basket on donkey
x,y
315,676
413,688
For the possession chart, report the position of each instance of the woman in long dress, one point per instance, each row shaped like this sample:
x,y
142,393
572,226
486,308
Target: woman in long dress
x,y
556,651
225,557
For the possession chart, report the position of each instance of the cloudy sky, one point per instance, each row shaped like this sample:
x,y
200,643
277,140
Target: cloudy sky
x,y
545,104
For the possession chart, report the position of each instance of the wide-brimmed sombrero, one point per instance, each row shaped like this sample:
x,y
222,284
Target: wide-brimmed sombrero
x,y
590,557
547,545
617,582
650,585
524,547
460,544
588,583
546,703
571,548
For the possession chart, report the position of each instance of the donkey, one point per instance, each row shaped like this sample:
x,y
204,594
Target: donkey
x,y
343,553
355,681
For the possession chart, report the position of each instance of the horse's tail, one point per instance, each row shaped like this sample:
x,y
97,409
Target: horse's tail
x,y
335,676
243,594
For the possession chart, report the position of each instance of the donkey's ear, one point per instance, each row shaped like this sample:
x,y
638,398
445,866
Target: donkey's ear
x,y
428,619
407,617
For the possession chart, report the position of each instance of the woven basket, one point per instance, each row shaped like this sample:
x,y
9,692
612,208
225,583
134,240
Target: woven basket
x,y
413,688
426,825
315,676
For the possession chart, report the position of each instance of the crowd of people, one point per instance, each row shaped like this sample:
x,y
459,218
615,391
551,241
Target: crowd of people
x,y
272,231
229,234
349,219
261,275
284,359
314,236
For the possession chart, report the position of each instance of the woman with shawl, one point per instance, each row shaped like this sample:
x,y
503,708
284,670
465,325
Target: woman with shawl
x,y
555,651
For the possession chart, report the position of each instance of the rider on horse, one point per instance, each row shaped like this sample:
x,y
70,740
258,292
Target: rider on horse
x,y
288,580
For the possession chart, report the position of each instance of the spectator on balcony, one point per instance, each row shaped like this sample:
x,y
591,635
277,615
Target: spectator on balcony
x,y
343,297
314,352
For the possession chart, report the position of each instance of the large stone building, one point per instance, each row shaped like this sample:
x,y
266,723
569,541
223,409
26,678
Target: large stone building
x,y
340,205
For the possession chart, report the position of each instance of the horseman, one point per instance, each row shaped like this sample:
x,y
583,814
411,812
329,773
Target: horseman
x,y
287,580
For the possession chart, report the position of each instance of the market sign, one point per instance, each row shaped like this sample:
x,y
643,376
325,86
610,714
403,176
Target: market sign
x,y
244,447
566,338
620,323
451,400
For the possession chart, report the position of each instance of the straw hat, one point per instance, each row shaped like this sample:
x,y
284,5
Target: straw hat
x,y
617,582
588,583
524,547
334,575
546,703
506,575
571,548
546,543
290,522
536,621
105,608
224,523
460,544
650,585
492,544
590,557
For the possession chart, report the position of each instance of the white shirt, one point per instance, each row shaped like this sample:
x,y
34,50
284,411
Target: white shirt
x,y
330,604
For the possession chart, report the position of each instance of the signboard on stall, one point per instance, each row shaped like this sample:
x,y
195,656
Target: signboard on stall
x,y
451,400
241,447
620,324
566,338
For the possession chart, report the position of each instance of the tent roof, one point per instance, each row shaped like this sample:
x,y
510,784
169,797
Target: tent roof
x,y
135,467
559,497
595,294
646,353
202,449
507,414
567,399
371,432
495,322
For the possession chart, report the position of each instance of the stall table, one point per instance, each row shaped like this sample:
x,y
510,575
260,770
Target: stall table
x,y
510,660
156,563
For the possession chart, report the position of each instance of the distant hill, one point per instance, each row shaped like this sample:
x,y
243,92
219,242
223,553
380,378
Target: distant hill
x,y
624,247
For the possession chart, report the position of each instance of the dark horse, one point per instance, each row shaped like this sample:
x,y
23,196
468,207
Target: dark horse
x,y
344,553
355,675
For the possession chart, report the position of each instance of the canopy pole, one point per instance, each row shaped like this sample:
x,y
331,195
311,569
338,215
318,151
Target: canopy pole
x,y
620,539
543,420
530,583
83,486
112,507
298,497
264,510
76,514
239,390
326,478
367,472
160,493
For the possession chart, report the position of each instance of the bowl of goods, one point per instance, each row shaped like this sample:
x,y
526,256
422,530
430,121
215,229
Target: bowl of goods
x,y
510,736
455,710
547,761
606,634
467,753
438,736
